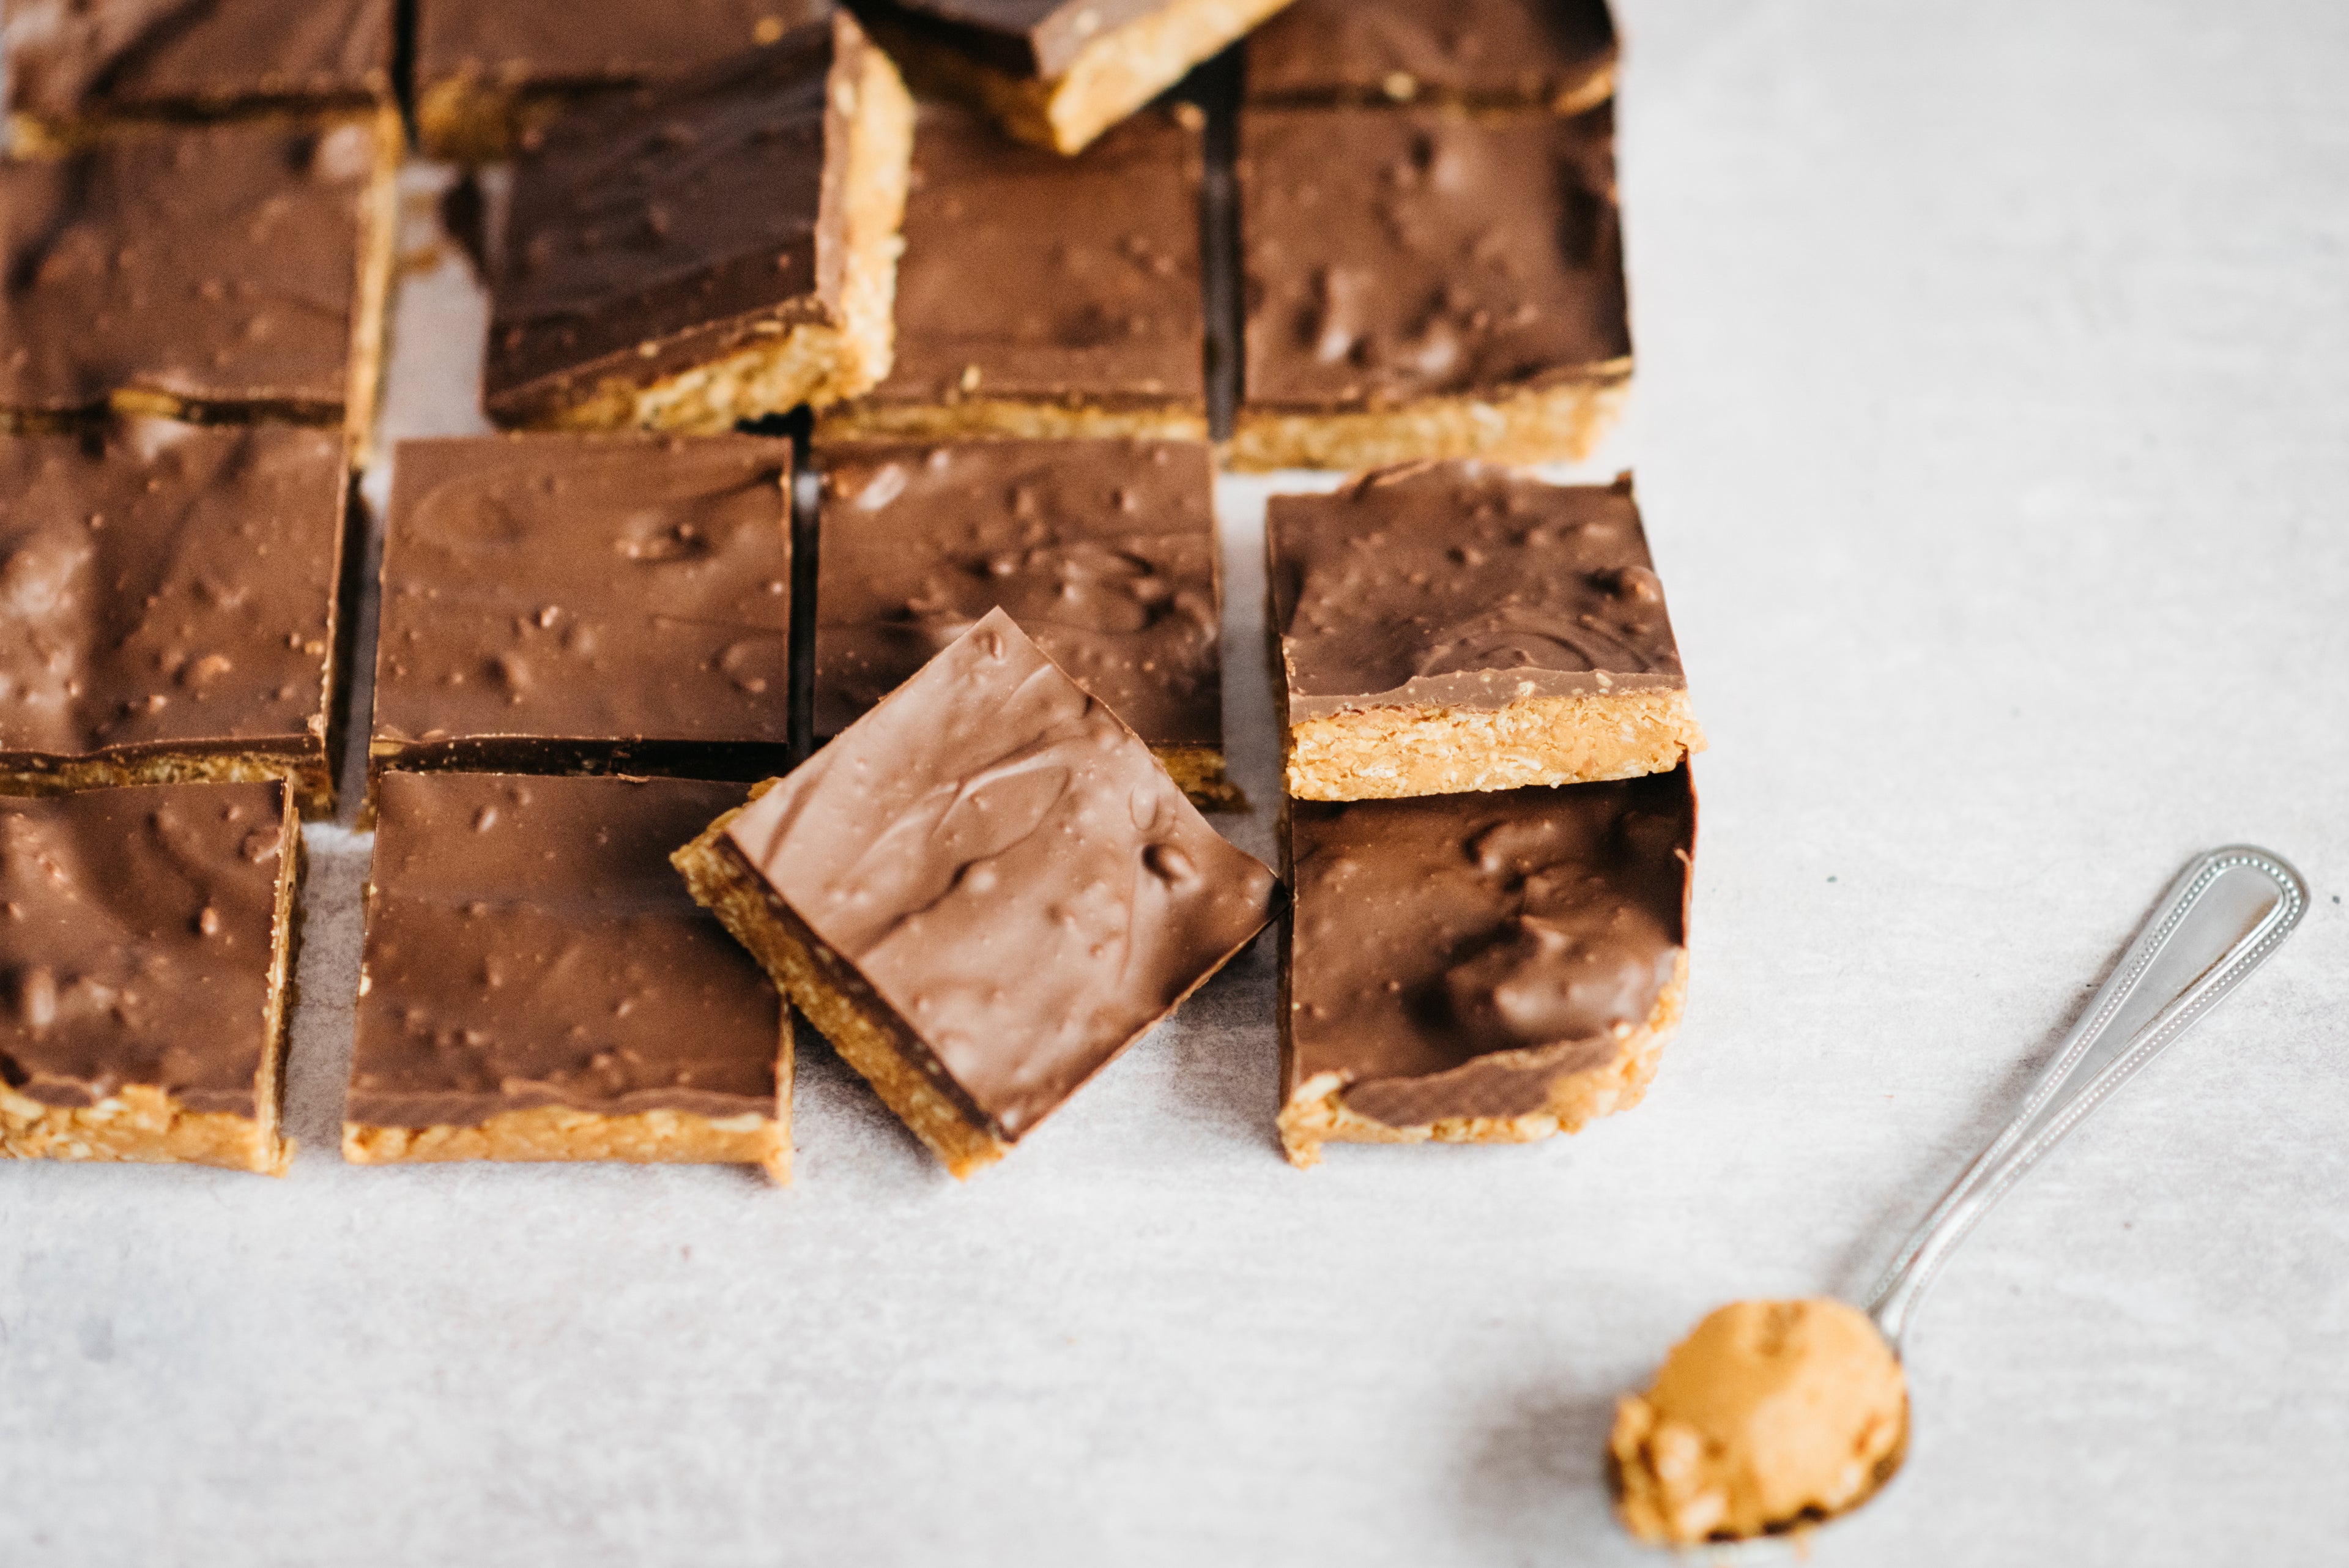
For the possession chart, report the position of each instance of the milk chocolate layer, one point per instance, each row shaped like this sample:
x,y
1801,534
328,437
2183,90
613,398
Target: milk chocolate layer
x,y
1025,38
1401,254
1036,276
135,931
557,601
1519,52
67,59
1454,956
574,44
1464,584
528,945
1010,872
216,265
1104,550
168,588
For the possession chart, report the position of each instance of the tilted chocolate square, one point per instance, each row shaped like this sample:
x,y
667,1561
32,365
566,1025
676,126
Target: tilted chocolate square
x,y
717,249
221,272
1558,55
489,77
1425,282
148,952
981,892
1056,72
1043,295
172,606
1453,627
587,604
1104,550
537,985
1481,968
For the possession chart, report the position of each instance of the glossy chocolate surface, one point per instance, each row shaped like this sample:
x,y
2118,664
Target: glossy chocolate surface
x,y
1025,37
167,588
529,944
588,43
1454,956
1464,584
70,57
1103,551
598,590
1476,51
1008,868
135,941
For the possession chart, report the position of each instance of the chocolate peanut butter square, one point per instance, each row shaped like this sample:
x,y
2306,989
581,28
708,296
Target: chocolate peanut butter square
x,y
981,892
489,77
1449,627
73,64
1481,968
719,248
1056,73
1044,296
537,985
1428,282
586,603
223,271
1554,54
1104,552
146,942
172,615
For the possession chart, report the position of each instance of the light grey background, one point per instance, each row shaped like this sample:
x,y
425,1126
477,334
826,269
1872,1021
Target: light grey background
x,y
1994,429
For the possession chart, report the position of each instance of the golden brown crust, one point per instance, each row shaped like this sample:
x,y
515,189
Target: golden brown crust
x,y
967,419
1388,752
312,780
1557,424
1198,771
563,1133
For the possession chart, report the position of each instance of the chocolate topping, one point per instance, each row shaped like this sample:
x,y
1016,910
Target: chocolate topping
x,y
217,265
1399,253
1031,275
528,944
1456,955
136,930
595,590
166,587
68,57
1025,37
1008,870
1474,51
662,227
577,43
1463,585
1104,550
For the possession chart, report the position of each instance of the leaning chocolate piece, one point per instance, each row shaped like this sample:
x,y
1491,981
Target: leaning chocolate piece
x,y
587,604
717,249
172,614
490,78
980,892
1106,548
1481,968
1558,55
537,985
1043,295
1452,627
1056,72
1425,282
147,952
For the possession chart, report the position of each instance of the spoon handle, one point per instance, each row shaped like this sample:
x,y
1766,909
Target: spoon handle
x,y
2222,917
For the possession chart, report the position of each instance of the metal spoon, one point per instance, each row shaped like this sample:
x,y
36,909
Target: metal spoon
x,y
2226,913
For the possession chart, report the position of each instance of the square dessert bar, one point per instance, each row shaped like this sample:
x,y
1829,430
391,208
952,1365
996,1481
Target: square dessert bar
x,y
489,77
586,603
537,985
1481,968
1558,55
1451,626
75,65
171,606
148,953
218,272
717,249
981,892
1428,282
1043,295
1104,550
1056,72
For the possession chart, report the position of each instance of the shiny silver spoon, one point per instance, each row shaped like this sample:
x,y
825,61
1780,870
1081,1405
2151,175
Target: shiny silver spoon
x,y
2227,912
